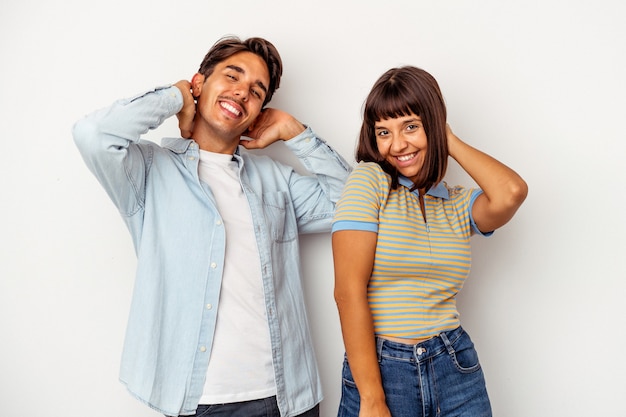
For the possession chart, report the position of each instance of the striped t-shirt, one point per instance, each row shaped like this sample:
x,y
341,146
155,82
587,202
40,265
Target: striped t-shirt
x,y
419,266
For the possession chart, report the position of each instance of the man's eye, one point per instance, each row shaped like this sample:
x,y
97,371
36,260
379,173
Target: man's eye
x,y
256,93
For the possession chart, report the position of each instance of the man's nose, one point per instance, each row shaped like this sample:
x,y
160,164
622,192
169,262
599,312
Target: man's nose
x,y
242,94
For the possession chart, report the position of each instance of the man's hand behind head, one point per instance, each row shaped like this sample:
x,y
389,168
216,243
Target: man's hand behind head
x,y
187,113
271,125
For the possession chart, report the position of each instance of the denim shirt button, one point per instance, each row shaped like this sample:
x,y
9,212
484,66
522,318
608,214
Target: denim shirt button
x,y
213,265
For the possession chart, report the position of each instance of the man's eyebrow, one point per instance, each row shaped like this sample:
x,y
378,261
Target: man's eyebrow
x,y
241,71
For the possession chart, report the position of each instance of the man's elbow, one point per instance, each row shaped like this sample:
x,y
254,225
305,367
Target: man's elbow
x,y
83,132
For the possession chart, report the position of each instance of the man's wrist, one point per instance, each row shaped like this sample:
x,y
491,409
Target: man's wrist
x,y
294,129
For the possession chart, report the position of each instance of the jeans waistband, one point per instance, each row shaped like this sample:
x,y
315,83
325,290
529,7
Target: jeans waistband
x,y
429,348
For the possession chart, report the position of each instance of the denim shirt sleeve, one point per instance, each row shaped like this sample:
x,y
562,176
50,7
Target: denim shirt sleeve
x,y
315,196
105,139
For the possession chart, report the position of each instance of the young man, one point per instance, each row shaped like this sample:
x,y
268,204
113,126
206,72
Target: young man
x,y
217,324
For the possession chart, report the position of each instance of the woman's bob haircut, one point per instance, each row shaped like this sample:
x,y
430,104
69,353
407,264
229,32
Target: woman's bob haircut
x,y
401,92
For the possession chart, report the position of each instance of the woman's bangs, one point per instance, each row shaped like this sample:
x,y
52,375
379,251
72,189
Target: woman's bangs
x,y
391,104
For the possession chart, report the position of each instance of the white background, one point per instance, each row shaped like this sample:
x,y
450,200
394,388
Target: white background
x,y
537,84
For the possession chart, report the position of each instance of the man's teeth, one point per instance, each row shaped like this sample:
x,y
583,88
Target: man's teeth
x,y
404,158
230,108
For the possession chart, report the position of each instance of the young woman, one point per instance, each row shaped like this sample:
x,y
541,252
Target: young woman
x,y
401,247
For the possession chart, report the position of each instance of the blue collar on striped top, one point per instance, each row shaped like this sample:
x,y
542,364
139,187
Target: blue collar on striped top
x,y
438,190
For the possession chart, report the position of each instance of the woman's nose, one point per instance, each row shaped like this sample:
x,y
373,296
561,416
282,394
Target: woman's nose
x,y
398,143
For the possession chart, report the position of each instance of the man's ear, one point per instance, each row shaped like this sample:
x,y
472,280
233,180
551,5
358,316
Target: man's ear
x,y
197,81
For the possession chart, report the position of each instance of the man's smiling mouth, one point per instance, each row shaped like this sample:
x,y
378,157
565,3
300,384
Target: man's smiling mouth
x,y
229,107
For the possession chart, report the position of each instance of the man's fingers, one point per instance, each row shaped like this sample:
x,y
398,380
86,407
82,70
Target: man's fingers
x,y
185,125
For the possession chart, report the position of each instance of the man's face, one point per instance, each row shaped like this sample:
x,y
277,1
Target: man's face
x,y
231,97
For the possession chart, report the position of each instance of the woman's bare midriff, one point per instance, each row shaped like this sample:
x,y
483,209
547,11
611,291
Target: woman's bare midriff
x,y
405,341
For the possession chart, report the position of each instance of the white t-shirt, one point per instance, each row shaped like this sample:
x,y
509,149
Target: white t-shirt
x,y
240,365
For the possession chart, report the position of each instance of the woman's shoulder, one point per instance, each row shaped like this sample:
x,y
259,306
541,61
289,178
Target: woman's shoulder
x,y
370,169
370,174
456,189
458,193
367,178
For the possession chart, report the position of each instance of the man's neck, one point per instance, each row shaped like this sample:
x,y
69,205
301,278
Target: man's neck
x,y
213,142
216,146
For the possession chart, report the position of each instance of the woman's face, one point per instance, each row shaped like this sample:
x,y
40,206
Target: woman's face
x,y
402,142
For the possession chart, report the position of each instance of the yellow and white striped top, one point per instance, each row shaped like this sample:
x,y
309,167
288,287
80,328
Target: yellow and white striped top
x,y
419,265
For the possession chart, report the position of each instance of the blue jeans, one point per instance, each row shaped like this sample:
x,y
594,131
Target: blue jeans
x,y
440,377
265,407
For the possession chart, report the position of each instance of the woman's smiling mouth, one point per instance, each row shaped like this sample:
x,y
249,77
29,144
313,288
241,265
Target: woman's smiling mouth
x,y
405,158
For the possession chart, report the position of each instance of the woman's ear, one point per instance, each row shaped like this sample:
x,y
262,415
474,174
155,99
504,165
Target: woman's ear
x,y
197,81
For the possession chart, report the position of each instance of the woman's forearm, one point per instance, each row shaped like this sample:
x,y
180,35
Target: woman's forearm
x,y
353,253
504,190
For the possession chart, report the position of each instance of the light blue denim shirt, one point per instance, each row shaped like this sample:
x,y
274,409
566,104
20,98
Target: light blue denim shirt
x,y
178,236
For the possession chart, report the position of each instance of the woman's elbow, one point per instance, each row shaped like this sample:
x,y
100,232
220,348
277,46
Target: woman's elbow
x,y
517,193
340,296
347,297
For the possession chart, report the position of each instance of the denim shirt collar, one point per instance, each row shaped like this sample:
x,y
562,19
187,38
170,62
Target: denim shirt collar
x,y
180,146
176,145
438,190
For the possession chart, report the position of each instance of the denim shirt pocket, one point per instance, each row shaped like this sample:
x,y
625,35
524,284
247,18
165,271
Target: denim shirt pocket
x,y
280,217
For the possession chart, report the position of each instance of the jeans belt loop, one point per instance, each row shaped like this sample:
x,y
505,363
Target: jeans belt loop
x,y
379,348
447,343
